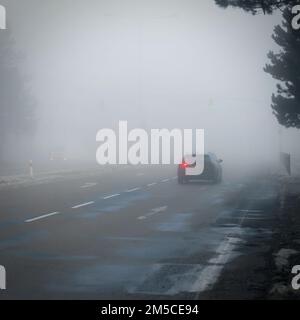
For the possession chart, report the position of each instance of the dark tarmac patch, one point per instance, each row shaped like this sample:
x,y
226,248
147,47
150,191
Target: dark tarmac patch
x,y
169,279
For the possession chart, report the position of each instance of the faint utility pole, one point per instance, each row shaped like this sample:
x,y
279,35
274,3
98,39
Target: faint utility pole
x,y
143,111
284,158
280,139
31,169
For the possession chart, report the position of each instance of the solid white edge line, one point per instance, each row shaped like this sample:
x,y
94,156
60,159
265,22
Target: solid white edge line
x,y
42,217
83,205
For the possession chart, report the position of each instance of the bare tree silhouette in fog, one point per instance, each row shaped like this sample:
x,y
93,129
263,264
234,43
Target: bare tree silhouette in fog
x,y
17,123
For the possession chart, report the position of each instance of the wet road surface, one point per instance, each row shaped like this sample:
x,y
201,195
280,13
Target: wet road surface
x,y
133,234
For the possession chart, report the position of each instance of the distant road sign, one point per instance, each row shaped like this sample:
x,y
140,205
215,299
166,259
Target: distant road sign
x,y
285,160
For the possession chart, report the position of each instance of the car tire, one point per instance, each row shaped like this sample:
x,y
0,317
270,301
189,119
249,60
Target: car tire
x,y
216,179
180,179
219,179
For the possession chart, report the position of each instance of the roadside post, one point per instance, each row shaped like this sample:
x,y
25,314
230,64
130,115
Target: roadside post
x,y
31,168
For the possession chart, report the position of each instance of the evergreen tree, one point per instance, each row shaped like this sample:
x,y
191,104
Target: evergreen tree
x,y
256,6
285,67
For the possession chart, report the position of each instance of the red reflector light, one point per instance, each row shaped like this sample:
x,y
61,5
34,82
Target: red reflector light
x,y
184,165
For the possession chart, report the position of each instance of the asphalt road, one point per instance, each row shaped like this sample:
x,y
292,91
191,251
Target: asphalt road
x,y
133,234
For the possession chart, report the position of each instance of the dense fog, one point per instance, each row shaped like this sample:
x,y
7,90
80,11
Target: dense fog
x,y
86,64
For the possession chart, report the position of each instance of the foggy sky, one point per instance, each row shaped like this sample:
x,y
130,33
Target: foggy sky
x,y
175,63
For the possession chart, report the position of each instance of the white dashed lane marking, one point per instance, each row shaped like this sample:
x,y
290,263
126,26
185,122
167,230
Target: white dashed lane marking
x,y
88,185
256,218
153,212
111,196
132,190
83,205
42,217
92,184
151,184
